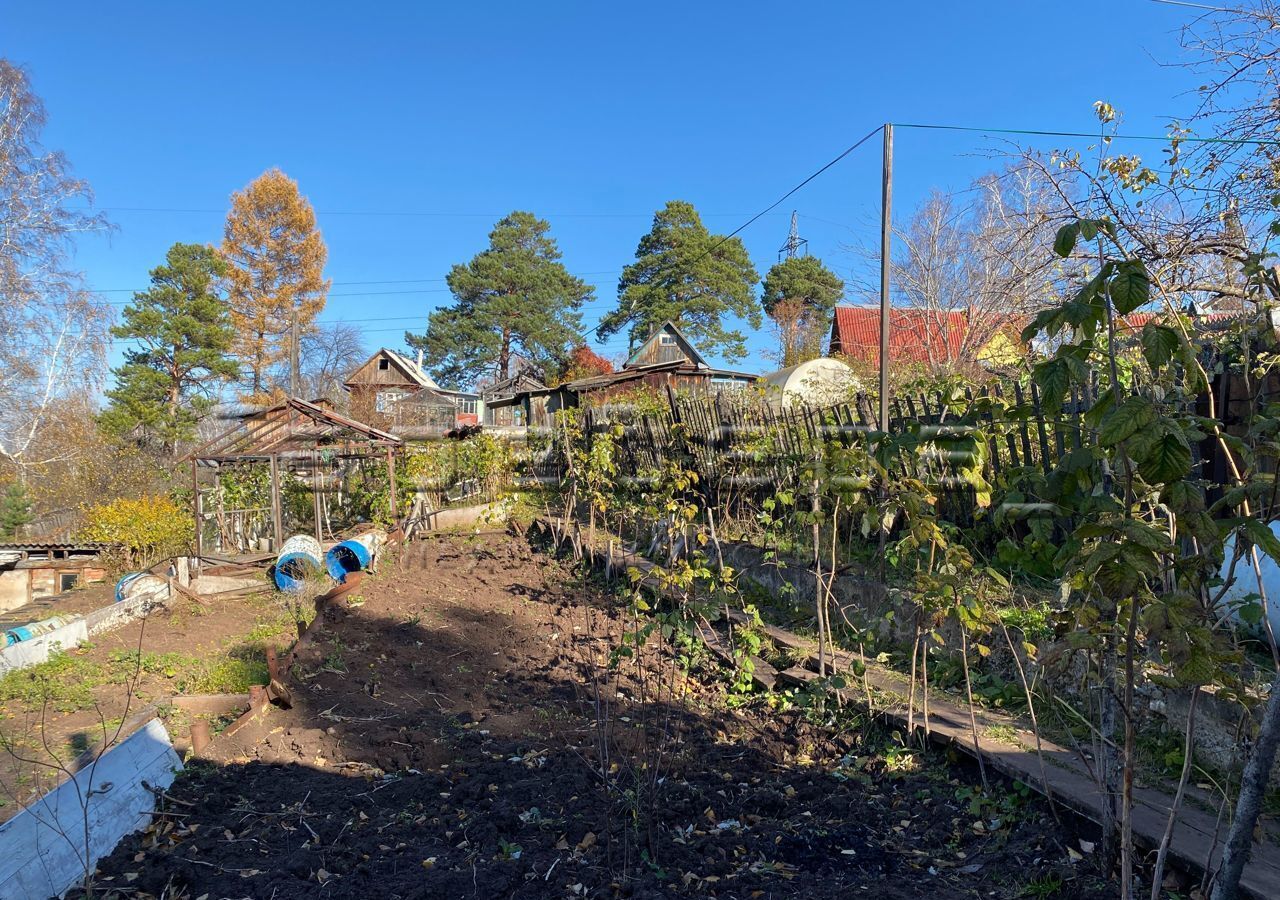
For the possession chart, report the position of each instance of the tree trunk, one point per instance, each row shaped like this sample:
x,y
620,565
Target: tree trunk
x,y
1253,788
259,351
504,358
175,397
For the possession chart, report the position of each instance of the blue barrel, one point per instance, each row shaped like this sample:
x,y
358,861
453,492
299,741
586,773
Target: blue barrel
x,y
44,626
345,558
122,586
299,559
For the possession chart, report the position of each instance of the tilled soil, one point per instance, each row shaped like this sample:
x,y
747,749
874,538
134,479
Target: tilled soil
x,y
457,731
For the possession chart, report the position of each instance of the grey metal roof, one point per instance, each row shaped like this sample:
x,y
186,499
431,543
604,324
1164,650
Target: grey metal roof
x,y
56,545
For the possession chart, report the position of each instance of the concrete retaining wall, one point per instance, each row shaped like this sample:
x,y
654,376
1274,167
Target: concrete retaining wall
x,y
466,516
43,848
77,631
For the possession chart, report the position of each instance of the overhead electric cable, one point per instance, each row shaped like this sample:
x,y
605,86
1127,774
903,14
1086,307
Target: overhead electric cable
x,y
771,207
1188,139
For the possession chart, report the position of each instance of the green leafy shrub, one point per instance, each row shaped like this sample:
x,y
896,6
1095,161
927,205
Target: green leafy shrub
x,y
147,529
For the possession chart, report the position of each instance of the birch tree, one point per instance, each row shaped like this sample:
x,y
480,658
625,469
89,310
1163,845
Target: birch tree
x,y
53,332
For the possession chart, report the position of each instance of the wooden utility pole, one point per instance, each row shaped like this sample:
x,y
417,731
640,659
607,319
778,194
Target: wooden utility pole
x,y
196,512
886,244
277,526
315,495
391,479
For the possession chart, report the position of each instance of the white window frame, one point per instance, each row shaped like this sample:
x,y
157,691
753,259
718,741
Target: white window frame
x,y
386,399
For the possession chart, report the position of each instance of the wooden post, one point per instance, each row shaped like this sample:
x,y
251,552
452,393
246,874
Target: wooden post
x,y
199,736
195,504
276,525
391,479
315,493
886,246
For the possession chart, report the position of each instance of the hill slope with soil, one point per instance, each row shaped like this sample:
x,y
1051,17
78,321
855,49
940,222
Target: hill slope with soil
x,y
457,731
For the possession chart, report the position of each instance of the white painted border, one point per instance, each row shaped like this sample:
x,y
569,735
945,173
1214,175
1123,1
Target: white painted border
x,y
42,848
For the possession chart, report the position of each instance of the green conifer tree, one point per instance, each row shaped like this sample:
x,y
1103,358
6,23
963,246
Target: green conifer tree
x,y
686,275
514,299
183,333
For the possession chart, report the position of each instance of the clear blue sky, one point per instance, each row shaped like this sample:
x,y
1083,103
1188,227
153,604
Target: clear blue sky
x,y
591,115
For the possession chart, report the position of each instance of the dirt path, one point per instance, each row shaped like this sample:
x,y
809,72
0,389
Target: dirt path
x,y
446,741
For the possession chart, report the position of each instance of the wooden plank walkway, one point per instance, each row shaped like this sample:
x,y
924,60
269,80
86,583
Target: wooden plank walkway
x,y
1003,743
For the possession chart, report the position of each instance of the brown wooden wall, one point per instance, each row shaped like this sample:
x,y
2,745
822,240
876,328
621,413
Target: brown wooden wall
x,y
392,376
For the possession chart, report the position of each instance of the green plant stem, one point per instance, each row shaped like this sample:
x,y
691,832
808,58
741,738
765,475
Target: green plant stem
x,y
1157,876
973,719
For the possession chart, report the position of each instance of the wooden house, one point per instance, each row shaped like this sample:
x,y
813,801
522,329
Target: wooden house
x,y
925,338
394,393
666,360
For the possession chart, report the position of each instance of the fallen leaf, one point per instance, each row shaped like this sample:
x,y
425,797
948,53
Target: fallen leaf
x,y
588,841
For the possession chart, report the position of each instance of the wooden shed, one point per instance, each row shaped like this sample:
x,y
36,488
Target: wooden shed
x,y
31,570
666,360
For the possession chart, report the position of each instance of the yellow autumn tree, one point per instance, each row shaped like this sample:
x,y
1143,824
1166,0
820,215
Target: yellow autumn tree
x,y
275,278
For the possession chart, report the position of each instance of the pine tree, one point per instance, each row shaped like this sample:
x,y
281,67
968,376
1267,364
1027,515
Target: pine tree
x,y
514,299
183,334
15,510
275,274
800,295
687,275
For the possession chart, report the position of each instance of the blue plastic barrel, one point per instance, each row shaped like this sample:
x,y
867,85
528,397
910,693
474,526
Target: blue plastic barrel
x,y
299,560
122,585
345,558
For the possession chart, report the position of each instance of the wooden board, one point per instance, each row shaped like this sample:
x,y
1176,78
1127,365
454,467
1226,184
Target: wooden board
x,y
1065,778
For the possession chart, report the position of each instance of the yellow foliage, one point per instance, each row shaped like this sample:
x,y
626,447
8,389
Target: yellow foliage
x,y
275,270
1002,349
150,527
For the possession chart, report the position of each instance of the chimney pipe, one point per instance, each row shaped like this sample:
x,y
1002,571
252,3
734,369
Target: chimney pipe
x,y
419,357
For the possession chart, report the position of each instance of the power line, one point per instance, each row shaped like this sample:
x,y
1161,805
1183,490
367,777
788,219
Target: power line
x,y
340,283
1094,135
340,294
771,207
398,213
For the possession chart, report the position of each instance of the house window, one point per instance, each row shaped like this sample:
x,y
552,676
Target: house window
x,y
722,383
466,407
383,364
67,580
666,340
385,400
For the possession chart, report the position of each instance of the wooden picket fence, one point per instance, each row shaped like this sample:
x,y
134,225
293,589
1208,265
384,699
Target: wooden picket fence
x,y
744,449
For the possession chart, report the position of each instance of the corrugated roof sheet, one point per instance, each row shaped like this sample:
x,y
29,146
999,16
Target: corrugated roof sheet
x,y
915,335
56,545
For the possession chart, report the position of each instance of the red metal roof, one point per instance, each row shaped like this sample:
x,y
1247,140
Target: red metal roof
x,y
915,335
1136,321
